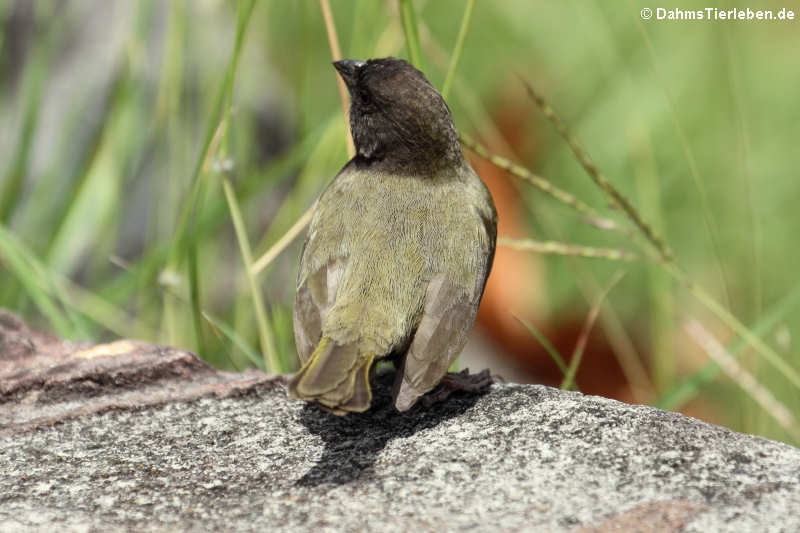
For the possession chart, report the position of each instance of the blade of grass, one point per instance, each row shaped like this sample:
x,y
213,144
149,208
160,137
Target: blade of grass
x,y
194,300
45,282
264,333
411,30
18,168
38,279
458,48
48,35
173,146
184,239
577,355
77,182
237,341
218,334
549,348
191,252
19,267
217,116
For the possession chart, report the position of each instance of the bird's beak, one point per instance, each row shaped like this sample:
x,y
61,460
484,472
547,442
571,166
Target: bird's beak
x,y
347,69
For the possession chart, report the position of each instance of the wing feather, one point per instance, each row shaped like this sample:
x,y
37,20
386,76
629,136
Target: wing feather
x,y
448,314
314,297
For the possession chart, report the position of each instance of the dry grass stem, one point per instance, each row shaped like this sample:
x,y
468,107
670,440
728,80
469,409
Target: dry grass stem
x,y
282,243
616,197
590,214
583,337
560,248
763,397
336,55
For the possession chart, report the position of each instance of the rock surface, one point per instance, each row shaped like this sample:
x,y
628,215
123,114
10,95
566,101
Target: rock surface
x,y
519,458
44,380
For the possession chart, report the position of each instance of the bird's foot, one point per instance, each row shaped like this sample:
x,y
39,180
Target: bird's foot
x,y
458,381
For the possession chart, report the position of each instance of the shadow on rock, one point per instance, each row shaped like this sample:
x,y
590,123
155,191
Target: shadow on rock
x,y
352,442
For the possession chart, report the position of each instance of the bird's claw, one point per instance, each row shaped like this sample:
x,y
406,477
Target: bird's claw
x,y
458,381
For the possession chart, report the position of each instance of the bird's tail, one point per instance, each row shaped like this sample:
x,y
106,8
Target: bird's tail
x,y
336,376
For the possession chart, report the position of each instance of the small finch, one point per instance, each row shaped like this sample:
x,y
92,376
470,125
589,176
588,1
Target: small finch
x,y
399,248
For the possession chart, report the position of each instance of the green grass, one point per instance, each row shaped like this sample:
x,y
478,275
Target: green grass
x,y
137,190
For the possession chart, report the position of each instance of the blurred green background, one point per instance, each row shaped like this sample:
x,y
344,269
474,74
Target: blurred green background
x,y
121,121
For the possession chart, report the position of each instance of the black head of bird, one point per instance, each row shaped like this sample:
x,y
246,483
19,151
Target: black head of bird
x,y
396,113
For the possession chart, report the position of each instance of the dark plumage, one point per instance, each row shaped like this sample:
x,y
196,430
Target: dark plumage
x,y
398,250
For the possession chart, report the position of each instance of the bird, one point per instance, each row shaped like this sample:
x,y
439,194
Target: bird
x,y
398,250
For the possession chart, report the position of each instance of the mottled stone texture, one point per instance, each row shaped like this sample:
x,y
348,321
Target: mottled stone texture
x,y
44,380
519,458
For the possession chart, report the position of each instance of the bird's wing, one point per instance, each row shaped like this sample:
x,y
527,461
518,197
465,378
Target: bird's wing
x,y
321,267
447,317
448,314
314,298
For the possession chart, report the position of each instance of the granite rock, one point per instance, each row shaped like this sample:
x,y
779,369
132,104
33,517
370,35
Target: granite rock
x,y
517,458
